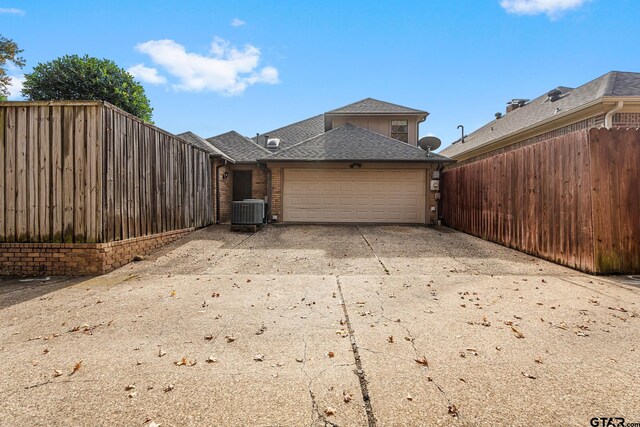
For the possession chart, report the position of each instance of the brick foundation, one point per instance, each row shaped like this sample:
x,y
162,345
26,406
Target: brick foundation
x,y
78,259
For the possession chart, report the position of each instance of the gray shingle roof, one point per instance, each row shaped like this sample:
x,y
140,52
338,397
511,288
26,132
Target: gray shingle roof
x,y
200,142
614,83
352,143
240,148
374,106
295,132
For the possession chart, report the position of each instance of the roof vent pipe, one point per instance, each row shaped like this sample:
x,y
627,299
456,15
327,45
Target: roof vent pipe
x,y
462,137
608,118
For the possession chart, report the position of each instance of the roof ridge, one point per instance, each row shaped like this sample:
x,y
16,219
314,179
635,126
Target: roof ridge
x,y
249,140
291,124
337,110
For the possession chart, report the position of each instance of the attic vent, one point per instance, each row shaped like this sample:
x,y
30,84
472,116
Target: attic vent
x,y
516,103
554,95
273,142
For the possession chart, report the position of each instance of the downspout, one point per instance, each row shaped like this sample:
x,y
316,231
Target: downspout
x,y
608,118
269,191
418,128
440,169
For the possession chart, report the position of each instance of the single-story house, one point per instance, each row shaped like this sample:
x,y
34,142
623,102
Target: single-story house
x,y
359,163
611,100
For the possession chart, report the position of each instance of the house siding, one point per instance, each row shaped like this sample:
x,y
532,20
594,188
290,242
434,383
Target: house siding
x,y
381,125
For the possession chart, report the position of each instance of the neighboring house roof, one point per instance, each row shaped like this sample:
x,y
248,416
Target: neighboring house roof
x,y
612,84
374,106
295,132
353,143
240,148
200,142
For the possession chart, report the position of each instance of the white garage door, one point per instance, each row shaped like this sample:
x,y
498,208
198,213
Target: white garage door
x,y
354,195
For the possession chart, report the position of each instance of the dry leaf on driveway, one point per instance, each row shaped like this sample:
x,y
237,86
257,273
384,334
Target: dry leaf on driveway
x,y
453,411
517,333
185,362
422,361
76,367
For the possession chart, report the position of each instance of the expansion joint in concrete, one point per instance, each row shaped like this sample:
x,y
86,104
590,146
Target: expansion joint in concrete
x,y
364,385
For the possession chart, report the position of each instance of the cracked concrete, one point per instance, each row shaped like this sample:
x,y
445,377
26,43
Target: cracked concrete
x,y
374,298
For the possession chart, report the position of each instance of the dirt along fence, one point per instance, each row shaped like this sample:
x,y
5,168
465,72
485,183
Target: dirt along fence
x,y
574,200
89,173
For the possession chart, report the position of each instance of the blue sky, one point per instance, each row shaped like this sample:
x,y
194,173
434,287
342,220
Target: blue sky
x,y
252,66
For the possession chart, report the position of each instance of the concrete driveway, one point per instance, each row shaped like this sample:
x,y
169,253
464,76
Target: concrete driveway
x,y
322,325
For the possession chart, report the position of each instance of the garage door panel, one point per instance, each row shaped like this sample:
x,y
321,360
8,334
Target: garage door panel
x,y
354,195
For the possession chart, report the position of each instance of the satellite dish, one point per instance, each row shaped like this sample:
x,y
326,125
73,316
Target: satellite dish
x,y
429,143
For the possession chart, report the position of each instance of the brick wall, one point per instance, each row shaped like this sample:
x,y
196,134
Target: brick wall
x,y
226,194
626,120
78,259
259,183
276,192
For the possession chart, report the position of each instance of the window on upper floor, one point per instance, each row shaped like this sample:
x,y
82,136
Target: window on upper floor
x,y
400,130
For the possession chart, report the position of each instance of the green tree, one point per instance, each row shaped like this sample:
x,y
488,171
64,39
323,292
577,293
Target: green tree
x,y
72,77
9,52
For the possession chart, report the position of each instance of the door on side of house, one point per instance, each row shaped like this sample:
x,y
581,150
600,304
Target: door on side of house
x,y
354,195
242,185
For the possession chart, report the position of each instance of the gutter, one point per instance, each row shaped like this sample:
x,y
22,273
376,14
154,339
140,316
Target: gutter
x,y
432,160
608,118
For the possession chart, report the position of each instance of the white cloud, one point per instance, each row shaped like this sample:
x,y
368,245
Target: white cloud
x,y
552,8
12,11
147,74
236,22
14,87
225,69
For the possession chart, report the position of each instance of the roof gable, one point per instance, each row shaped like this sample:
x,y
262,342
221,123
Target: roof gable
x,y
240,148
200,142
352,143
374,106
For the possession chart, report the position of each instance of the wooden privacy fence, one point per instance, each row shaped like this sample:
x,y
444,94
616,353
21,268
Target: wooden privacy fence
x,y
574,200
87,171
